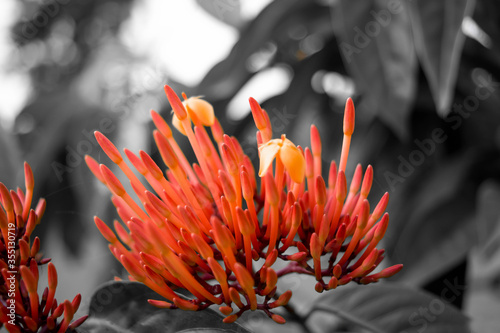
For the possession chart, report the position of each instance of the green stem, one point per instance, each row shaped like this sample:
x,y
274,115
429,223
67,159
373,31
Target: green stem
x,y
347,317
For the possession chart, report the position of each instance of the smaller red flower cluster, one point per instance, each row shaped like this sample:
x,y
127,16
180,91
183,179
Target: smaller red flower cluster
x,y
21,309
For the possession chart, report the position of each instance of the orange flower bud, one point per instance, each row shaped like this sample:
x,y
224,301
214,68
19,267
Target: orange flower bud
x,y
108,147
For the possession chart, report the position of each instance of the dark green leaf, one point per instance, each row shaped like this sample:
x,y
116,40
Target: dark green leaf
x,y
439,41
376,44
438,232
122,306
393,308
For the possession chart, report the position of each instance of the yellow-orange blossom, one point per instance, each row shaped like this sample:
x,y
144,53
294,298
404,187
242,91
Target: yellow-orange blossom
x,y
204,226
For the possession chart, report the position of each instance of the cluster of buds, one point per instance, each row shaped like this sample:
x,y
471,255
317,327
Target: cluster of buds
x,y
216,230
21,309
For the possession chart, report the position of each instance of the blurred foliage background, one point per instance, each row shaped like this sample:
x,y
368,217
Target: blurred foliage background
x,y
423,76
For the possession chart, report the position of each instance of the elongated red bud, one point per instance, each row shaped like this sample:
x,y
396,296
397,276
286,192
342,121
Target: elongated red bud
x,y
166,150
94,167
349,116
161,124
258,114
105,230
113,183
282,300
108,147
28,177
175,102
320,191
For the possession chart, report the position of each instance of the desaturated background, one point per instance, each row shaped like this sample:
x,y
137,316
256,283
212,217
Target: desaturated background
x,y
424,77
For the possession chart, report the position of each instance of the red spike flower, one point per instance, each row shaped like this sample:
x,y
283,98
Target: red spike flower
x,y
21,308
204,227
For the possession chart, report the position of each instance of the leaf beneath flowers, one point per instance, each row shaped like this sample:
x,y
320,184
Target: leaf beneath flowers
x,y
122,306
391,308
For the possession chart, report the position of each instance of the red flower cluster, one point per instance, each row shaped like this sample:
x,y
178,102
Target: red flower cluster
x,y
21,309
205,227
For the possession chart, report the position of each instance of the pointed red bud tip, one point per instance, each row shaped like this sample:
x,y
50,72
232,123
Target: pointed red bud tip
x,y
389,271
217,131
108,147
333,283
105,230
349,116
316,248
58,310
271,279
247,228
150,165
94,168
185,304
366,265
113,183
225,310
246,186
28,176
161,124
235,297
6,199
30,323
282,300
363,214
356,179
132,268
272,195
271,258
221,233
315,141
166,151
77,323
24,249
230,319
299,256
320,190
29,279
296,215
332,175
227,186
337,271
258,114
35,247
160,304
176,103
229,159
381,227
52,273
381,206
244,277
309,163
341,187
278,319
136,161
76,302
367,181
